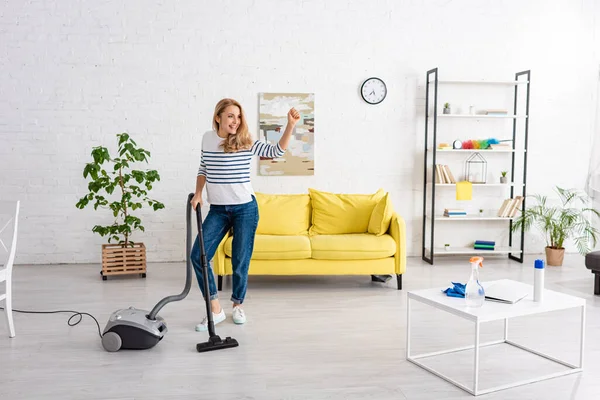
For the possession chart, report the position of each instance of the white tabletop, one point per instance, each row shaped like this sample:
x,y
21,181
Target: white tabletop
x,y
491,310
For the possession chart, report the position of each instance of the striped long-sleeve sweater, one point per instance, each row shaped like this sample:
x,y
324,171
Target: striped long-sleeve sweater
x,y
228,174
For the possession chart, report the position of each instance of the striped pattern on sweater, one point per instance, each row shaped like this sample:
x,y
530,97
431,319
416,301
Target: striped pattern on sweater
x,y
230,168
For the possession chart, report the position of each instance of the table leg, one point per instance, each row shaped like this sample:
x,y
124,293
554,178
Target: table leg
x,y
582,338
407,327
476,372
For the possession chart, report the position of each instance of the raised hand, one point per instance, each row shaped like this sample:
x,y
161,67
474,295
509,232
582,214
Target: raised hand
x,y
293,116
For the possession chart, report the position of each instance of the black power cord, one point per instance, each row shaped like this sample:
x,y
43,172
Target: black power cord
x,y
75,314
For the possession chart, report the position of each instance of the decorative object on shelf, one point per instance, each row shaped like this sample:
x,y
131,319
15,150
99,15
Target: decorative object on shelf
x,y
447,247
476,169
503,178
446,108
481,212
571,219
444,146
479,144
472,110
125,256
373,90
464,190
457,144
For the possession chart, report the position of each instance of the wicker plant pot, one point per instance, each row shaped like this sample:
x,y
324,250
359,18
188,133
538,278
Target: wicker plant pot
x,y
554,257
120,260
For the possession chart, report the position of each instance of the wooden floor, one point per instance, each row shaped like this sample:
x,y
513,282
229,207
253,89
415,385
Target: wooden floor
x,y
306,338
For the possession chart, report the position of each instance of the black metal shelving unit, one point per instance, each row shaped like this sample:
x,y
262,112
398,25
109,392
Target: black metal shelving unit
x,y
430,159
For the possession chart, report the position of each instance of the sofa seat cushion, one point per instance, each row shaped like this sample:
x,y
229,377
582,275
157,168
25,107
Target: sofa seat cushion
x,y
276,247
354,246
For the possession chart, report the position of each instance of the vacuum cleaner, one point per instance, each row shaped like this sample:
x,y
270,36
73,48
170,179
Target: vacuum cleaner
x,y
136,329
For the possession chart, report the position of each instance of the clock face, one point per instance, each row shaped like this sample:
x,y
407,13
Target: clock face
x,y
373,90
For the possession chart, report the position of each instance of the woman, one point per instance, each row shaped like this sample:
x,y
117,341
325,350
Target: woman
x,y
225,172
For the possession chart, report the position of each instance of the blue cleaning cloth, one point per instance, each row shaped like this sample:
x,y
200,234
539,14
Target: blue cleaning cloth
x,y
457,290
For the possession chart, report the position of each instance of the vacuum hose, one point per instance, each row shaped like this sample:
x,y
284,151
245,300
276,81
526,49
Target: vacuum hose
x,y
188,250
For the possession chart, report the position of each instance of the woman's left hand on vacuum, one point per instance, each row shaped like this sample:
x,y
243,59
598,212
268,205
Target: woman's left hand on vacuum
x,y
293,116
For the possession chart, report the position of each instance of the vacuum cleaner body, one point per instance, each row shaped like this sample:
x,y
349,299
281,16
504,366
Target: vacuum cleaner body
x,y
130,328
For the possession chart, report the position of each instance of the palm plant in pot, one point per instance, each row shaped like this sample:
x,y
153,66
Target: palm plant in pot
x,y
123,256
571,219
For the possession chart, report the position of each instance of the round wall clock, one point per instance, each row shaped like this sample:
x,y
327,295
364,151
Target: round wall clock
x,y
373,90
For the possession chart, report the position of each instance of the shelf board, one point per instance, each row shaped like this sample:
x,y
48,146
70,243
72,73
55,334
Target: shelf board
x,y
470,250
482,116
486,151
472,218
460,82
480,184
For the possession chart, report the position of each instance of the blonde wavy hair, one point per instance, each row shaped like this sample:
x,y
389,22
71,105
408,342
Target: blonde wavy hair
x,y
242,140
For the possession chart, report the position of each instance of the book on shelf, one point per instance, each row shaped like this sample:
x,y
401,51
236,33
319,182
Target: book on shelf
x,y
454,212
510,207
484,245
501,146
496,112
443,174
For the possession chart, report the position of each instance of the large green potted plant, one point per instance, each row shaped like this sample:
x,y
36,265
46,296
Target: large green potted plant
x,y
571,219
123,256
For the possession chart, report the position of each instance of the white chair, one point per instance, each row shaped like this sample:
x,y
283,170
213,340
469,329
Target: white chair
x,y
6,269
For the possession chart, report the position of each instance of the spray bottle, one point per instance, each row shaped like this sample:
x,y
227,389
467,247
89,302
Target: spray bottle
x,y
474,293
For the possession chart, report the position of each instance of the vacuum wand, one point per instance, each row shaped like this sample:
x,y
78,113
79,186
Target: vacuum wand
x,y
188,274
204,263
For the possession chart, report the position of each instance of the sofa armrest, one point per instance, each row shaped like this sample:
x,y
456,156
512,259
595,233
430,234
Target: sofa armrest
x,y
398,231
219,257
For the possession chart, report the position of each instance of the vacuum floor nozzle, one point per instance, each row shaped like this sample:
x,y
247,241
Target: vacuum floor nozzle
x,y
216,343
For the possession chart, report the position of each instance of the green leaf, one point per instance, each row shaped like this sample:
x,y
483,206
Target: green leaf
x,y
82,203
123,137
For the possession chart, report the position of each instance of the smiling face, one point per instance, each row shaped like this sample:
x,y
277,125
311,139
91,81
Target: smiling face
x,y
229,120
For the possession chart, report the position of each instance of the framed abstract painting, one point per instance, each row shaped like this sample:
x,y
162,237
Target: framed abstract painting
x,y
299,157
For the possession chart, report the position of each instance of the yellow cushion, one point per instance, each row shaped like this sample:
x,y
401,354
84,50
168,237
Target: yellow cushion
x,y
357,246
341,213
272,247
381,216
283,214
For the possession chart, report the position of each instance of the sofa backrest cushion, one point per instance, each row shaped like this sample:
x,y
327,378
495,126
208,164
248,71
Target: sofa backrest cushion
x,y
334,213
283,214
381,216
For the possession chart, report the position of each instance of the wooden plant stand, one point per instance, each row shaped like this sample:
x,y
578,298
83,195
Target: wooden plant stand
x,y
120,260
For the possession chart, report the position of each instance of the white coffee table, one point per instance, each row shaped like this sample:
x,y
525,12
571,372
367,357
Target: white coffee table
x,y
493,311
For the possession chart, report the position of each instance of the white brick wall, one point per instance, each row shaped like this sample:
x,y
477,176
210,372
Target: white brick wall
x,y
75,73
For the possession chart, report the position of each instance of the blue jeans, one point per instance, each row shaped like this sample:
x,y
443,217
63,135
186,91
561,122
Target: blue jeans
x,y
243,218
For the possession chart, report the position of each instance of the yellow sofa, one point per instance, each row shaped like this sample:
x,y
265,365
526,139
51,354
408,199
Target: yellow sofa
x,y
322,233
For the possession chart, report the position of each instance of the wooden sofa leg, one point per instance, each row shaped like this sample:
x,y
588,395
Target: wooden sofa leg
x,y
597,283
399,277
220,283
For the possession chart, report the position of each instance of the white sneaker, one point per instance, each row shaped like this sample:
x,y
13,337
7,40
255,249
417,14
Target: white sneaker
x,y
239,317
203,326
